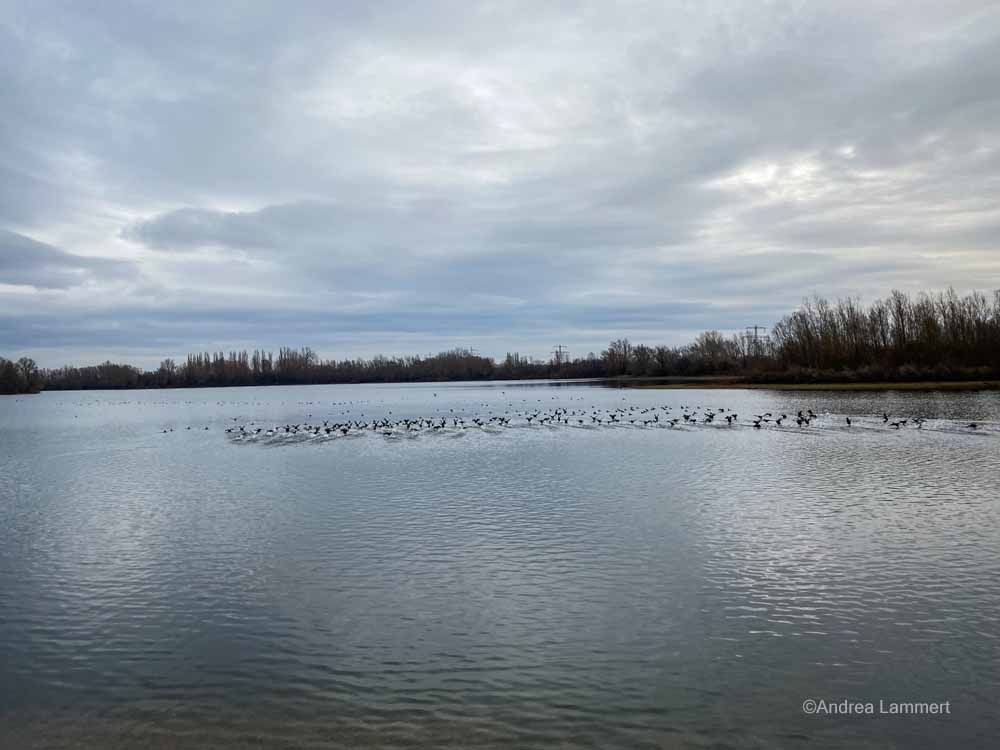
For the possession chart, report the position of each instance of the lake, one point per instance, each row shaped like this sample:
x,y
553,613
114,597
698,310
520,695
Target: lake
x,y
573,582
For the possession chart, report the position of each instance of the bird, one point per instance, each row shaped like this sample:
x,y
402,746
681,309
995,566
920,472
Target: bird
x,y
459,420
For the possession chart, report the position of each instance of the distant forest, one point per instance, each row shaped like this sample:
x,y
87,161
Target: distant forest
x,y
928,337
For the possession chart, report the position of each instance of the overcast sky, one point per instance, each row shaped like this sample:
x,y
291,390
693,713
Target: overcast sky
x,y
407,177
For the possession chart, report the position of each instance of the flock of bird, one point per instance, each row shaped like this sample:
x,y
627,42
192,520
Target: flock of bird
x,y
498,419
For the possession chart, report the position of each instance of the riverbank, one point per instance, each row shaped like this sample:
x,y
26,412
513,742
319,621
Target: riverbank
x,y
743,384
710,382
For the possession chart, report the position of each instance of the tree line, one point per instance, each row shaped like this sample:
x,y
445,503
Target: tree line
x,y
22,376
291,366
927,336
930,336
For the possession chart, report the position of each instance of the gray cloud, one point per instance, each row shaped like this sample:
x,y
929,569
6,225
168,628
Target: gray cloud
x,y
23,261
367,178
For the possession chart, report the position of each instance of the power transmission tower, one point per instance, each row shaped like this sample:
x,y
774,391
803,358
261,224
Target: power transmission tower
x,y
754,340
560,354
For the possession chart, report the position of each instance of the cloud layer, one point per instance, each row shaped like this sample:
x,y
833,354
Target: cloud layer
x,y
368,178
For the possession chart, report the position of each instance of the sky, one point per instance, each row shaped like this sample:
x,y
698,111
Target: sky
x,y
404,178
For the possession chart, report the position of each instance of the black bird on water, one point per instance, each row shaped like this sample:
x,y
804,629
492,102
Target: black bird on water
x,y
460,420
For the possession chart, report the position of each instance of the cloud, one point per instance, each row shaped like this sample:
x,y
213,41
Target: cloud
x,y
25,262
374,178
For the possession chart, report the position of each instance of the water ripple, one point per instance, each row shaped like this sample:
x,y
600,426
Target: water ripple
x,y
596,585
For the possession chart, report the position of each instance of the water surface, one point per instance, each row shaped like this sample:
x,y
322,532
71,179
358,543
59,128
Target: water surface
x,y
607,586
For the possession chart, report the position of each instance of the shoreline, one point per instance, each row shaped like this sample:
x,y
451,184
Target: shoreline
x,y
930,385
705,382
